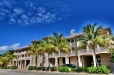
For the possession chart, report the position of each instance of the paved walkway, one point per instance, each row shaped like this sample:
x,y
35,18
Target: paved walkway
x,y
26,72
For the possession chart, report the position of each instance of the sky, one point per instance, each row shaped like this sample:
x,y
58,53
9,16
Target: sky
x,y
22,21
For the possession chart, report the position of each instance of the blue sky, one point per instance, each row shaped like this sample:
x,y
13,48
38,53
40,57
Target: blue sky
x,y
22,21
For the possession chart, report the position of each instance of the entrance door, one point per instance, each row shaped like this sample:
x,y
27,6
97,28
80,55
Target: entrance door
x,y
88,61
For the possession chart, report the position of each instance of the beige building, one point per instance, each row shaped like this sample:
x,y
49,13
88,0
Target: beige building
x,y
84,57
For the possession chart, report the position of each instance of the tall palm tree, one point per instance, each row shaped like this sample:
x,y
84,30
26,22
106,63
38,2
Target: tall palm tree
x,y
35,51
49,48
92,37
60,44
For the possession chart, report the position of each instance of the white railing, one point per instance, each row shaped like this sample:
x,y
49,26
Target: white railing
x,y
72,44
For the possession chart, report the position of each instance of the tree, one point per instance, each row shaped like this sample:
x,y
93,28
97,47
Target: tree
x,y
49,48
93,38
60,44
35,51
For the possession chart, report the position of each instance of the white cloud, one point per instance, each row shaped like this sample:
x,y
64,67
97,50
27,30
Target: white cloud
x,y
18,10
4,48
72,31
13,46
30,14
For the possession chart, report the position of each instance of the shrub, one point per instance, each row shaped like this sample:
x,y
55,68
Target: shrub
x,y
31,67
46,68
43,68
80,69
102,70
91,69
53,68
38,68
64,69
13,67
73,69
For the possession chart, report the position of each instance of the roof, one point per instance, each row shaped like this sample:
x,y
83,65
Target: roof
x,y
22,48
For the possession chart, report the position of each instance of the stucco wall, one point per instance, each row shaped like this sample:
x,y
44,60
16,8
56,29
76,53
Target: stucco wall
x,y
73,60
105,60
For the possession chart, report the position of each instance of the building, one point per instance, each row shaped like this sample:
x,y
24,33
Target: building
x,y
83,57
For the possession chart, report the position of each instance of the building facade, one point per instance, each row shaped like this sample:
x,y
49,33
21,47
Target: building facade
x,y
83,57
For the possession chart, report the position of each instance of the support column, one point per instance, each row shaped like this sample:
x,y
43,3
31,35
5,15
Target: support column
x,y
71,47
79,61
56,61
18,64
94,61
67,60
25,64
21,64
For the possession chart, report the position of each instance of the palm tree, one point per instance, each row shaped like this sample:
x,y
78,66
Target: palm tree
x,y
60,44
34,51
49,48
93,38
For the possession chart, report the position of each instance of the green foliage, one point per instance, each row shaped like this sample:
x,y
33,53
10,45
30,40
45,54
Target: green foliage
x,y
13,67
73,69
92,69
38,68
80,69
32,68
53,68
5,67
43,68
63,69
102,70
112,57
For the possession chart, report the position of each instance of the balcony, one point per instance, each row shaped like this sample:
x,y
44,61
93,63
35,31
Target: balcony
x,y
73,45
20,53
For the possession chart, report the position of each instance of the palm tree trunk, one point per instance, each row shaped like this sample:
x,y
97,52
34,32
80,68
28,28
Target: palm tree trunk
x,y
57,63
36,60
48,62
95,57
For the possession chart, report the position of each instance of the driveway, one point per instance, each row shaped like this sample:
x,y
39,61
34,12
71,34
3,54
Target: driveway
x,y
26,72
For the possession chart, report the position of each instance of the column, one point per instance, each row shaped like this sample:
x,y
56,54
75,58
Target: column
x,y
67,60
18,64
79,61
94,60
21,64
56,61
71,47
25,64
74,43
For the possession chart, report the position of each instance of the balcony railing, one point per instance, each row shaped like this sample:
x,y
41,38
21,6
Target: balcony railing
x,y
83,51
20,53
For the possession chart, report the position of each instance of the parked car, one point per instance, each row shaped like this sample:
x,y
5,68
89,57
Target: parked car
x,y
71,65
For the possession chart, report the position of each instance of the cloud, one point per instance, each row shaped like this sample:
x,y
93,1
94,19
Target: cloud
x,y
72,31
13,46
4,48
31,13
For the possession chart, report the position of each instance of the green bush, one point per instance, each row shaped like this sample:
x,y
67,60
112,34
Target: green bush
x,y
5,67
73,69
64,69
46,68
38,68
43,68
80,69
53,68
13,67
91,69
102,70
32,68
